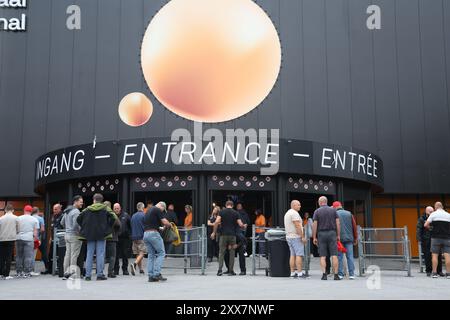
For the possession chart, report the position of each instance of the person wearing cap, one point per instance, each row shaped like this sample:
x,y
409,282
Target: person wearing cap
x,y
349,238
153,220
27,234
37,245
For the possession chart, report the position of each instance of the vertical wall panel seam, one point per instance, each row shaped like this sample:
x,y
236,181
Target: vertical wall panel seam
x,y
422,92
71,87
119,64
280,90
24,90
49,75
374,87
326,68
303,69
95,71
398,94
350,71
142,128
445,62
2,57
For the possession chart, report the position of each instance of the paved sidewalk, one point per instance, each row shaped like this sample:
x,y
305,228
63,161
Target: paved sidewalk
x,y
394,285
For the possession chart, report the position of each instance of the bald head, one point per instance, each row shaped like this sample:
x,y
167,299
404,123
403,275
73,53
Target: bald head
x,y
57,208
323,201
438,205
117,208
295,205
429,210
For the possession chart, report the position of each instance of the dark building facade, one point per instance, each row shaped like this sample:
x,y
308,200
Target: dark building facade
x,y
343,89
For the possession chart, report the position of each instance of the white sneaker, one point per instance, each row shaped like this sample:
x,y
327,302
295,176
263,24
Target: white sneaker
x,y
34,274
341,277
9,278
351,277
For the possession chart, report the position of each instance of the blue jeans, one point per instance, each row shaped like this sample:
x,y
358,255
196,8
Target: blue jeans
x,y
349,255
156,252
99,248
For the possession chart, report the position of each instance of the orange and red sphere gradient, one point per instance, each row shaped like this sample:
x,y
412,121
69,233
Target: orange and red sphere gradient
x,y
211,60
135,109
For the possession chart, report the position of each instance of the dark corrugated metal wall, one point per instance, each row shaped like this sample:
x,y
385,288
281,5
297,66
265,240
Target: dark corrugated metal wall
x,y
386,91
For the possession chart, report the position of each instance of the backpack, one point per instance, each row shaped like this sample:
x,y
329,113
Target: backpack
x,y
172,235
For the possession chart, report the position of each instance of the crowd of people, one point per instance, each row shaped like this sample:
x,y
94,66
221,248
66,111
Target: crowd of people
x,y
101,232
104,233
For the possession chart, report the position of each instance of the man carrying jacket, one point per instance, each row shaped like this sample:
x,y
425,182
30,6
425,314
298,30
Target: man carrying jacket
x,y
423,235
123,243
96,222
349,237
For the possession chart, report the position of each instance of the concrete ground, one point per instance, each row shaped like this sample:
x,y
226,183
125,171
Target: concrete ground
x,y
193,286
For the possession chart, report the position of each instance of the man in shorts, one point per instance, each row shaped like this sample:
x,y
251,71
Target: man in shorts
x,y
326,233
295,238
440,237
137,236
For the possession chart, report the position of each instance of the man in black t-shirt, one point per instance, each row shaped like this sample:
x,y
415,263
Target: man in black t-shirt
x,y
229,219
154,242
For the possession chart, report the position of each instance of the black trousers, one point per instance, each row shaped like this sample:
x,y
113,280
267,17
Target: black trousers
x,y
122,252
213,248
240,252
426,250
60,253
44,254
110,255
6,252
82,258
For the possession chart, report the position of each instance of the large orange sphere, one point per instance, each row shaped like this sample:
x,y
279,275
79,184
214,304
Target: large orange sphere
x,y
211,60
135,109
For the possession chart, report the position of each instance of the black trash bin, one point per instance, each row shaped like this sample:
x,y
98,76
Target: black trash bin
x,y
278,254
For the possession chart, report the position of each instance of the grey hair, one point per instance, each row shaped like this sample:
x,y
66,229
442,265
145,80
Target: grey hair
x,y
323,199
140,206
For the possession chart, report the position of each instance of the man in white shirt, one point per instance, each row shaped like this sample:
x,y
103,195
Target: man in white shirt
x,y
295,238
8,229
440,236
27,233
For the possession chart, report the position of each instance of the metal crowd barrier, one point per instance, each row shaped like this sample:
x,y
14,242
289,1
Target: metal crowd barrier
x,y
193,250
262,264
422,265
387,248
421,258
57,233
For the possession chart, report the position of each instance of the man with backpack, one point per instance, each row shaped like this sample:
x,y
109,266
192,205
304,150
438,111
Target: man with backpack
x,y
96,222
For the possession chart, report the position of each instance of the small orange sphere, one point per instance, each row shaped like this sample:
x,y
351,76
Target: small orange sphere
x,y
211,60
135,109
